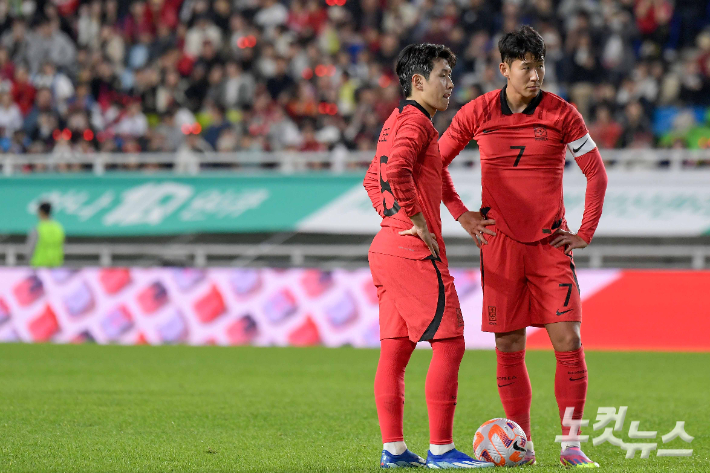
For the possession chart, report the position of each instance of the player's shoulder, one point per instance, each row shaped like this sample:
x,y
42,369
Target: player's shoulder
x,y
554,103
483,101
479,110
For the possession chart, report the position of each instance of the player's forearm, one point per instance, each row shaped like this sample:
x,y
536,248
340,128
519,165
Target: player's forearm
x,y
450,197
593,168
418,220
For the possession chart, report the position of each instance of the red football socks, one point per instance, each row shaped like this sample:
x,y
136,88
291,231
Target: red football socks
x,y
442,384
389,386
441,387
514,388
570,383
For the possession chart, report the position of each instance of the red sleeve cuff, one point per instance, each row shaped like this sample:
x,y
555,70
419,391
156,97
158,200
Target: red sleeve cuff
x,y
412,210
584,236
457,209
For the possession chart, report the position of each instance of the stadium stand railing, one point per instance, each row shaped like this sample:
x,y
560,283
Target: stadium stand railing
x,y
336,161
332,256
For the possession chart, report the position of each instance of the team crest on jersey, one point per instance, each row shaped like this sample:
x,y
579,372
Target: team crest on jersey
x,y
540,133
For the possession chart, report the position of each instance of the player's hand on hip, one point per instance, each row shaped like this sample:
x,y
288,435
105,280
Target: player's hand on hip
x,y
475,225
420,229
569,240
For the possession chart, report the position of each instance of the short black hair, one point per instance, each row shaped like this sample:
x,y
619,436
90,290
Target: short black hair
x,y
419,59
517,44
45,208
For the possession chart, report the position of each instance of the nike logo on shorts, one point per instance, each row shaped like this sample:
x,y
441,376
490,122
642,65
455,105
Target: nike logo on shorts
x,y
502,385
577,379
560,313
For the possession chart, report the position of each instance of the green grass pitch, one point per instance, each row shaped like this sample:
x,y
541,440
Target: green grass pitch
x,y
88,408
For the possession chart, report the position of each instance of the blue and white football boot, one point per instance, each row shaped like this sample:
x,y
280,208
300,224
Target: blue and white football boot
x,y
454,459
405,460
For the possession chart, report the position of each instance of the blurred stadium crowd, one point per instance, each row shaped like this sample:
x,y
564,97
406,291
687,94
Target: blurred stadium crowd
x,y
83,76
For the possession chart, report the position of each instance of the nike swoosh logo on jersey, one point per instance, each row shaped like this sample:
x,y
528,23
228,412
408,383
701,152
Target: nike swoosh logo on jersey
x,y
488,131
577,379
501,385
575,150
560,313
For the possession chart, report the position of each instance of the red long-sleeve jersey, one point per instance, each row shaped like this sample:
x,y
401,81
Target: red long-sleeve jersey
x,y
408,176
523,160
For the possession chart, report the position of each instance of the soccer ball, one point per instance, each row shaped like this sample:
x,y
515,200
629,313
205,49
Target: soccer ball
x,y
500,441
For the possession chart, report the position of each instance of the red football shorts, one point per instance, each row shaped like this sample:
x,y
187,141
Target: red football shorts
x,y
417,298
527,284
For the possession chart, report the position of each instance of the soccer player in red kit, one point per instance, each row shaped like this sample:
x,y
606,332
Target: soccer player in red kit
x,y
407,183
527,269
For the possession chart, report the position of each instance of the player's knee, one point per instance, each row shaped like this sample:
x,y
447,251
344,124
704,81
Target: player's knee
x,y
452,347
567,341
511,342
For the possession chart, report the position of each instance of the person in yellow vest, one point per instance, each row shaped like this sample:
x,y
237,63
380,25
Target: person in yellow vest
x,y
46,241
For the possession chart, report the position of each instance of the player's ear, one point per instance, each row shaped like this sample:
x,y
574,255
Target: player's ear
x,y
418,82
503,66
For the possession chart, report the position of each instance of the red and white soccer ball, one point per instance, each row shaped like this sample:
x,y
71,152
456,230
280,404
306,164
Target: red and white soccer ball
x,y
500,441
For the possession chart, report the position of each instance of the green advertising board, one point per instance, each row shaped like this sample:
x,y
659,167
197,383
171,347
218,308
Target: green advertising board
x,y
154,204
640,203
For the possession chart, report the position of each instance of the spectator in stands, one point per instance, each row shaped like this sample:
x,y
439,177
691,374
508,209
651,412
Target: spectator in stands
x,y
218,123
170,92
134,123
239,86
281,81
283,133
89,24
172,136
653,19
15,40
43,104
187,159
637,128
59,84
7,68
309,141
43,132
605,131
48,43
23,92
204,30
10,116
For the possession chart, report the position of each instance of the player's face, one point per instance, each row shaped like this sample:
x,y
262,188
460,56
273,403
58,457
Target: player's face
x,y
437,90
525,76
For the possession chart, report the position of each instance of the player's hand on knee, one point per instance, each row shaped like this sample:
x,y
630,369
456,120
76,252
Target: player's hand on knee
x,y
475,225
569,240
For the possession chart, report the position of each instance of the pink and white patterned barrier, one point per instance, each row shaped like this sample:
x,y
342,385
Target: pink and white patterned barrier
x,y
213,306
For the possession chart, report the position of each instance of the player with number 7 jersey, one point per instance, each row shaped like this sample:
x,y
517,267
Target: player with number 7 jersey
x,y
527,268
